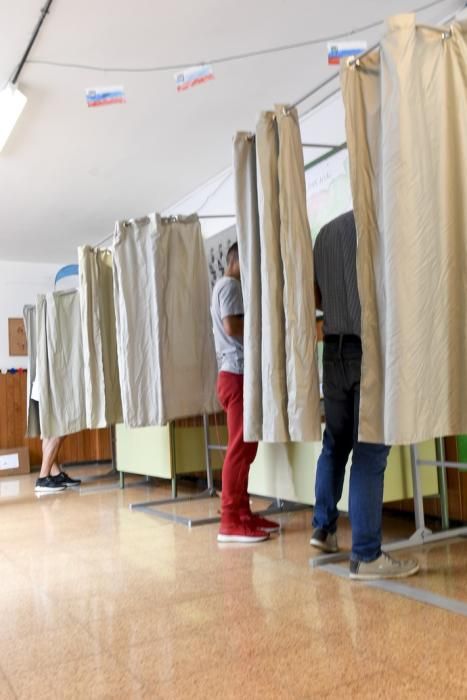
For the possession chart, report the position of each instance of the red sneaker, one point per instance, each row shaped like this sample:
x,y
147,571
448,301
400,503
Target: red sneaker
x,y
241,532
264,524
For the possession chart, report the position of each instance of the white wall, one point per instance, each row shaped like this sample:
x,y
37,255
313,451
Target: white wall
x,y
20,283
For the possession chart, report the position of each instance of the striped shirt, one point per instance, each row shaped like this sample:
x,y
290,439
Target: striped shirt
x,y
335,259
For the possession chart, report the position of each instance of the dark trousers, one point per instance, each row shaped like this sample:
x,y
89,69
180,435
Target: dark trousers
x,y
342,362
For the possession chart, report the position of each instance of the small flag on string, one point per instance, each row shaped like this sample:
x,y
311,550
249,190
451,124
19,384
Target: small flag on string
x,y
98,97
338,50
195,75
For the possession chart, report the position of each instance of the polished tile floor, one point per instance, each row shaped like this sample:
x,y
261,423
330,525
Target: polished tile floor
x,y
101,602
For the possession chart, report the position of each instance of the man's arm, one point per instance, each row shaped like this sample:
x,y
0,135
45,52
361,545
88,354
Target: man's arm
x,y
231,308
233,326
318,299
316,258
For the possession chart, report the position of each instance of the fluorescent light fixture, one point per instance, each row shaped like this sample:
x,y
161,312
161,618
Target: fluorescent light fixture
x,y
12,103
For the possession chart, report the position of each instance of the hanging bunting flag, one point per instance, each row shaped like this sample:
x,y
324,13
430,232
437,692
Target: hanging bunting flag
x,y
337,50
98,97
195,75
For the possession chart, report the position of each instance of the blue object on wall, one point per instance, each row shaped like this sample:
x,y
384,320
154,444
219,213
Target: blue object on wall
x,y
67,271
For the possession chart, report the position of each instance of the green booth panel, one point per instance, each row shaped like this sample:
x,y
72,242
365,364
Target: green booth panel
x,y
288,472
147,451
462,450
280,471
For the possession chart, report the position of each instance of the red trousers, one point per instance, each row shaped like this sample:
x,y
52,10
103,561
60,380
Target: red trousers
x,y
239,455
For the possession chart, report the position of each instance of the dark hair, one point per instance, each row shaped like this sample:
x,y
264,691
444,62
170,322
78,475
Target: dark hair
x,y
232,254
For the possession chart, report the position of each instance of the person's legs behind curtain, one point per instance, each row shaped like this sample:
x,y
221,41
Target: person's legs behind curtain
x,y
46,482
337,445
51,477
369,461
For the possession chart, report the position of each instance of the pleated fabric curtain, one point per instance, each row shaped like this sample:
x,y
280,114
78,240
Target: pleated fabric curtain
x,y
281,267
406,109
249,247
166,354
60,367
102,382
33,428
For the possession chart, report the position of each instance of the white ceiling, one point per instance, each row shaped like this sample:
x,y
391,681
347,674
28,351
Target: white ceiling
x,y
68,172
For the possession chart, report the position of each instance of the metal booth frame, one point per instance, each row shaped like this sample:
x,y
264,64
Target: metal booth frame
x,y
154,507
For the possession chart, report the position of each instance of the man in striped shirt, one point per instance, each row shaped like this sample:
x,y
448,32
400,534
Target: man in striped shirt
x,y
336,292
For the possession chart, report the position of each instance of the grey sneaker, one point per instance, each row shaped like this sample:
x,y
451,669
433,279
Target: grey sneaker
x,y
325,541
383,567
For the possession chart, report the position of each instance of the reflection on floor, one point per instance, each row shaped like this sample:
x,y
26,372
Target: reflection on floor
x,y
100,602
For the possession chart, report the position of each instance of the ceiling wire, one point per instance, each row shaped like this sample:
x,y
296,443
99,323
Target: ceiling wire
x,y
223,59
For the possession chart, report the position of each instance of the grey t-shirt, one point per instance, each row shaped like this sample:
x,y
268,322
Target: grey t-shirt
x,y
227,300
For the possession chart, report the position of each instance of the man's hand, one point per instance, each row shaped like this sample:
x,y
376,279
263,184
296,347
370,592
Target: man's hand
x,y
233,326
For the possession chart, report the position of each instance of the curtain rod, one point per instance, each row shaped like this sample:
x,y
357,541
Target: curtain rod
x,y
319,145
200,216
445,33
315,89
217,216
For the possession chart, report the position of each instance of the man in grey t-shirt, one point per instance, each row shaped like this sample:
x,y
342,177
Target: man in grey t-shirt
x,y
238,523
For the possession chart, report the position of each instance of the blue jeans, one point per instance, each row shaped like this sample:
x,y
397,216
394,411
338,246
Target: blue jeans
x,y
342,361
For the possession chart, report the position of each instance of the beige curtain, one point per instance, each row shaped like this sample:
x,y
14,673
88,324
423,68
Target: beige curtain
x,y
248,238
303,407
275,423
282,270
406,108
59,364
166,355
33,428
103,396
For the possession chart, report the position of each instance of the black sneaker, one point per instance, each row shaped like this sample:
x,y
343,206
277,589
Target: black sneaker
x,y
47,484
325,541
64,480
